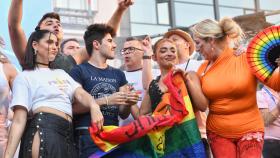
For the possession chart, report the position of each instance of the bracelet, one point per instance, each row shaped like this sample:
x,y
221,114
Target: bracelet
x,y
147,57
107,101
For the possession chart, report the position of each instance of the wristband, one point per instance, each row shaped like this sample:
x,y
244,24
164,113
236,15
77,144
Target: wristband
x,y
147,57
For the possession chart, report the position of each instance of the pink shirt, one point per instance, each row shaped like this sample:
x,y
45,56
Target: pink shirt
x,y
267,99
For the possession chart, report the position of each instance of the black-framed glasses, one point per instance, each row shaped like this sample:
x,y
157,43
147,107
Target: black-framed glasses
x,y
129,50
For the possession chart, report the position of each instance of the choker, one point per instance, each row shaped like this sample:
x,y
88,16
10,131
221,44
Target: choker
x,y
42,64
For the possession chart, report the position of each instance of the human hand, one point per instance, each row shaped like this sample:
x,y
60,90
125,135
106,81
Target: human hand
x,y
178,70
147,46
118,98
240,50
96,116
3,58
124,4
278,61
132,98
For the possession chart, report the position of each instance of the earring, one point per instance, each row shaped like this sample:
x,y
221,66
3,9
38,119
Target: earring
x,y
35,52
212,48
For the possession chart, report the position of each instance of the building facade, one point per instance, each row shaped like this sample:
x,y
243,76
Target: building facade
x,y
153,17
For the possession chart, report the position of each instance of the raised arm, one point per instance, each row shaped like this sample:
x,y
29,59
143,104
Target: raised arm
x,y
117,15
17,35
147,75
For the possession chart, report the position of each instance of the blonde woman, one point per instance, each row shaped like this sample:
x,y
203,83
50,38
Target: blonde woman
x,y
234,124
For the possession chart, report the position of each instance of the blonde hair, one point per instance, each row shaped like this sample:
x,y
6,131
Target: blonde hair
x,y
226,27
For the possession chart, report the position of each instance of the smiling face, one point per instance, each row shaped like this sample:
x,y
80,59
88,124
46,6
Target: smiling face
x,y
107,47
166,54
52,25
46,48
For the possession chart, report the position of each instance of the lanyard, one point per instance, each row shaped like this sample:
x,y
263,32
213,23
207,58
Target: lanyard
x,y
187,65
270,94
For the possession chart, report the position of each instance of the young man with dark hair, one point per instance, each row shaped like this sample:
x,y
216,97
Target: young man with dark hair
x,y
51,22
106,84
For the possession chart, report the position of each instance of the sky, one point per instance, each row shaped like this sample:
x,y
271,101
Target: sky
x,y
32,12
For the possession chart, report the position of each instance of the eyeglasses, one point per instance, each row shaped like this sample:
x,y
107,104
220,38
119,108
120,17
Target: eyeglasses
x,y
129,50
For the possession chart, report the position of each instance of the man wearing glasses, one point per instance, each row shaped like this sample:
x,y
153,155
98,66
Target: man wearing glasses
x,y
135,53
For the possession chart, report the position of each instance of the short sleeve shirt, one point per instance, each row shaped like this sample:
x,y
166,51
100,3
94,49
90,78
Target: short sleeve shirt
x,y
99,83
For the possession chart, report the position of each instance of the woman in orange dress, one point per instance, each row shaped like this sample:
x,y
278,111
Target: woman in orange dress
x,y
234,125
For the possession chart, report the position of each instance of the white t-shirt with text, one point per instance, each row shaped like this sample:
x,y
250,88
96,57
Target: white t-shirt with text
x,y
44,87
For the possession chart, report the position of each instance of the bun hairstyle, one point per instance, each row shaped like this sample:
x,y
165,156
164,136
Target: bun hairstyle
x,y
226,27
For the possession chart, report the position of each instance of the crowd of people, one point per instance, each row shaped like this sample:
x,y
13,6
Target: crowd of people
x,y
64,88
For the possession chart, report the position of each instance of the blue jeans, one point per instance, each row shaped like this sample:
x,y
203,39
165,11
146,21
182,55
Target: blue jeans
x,y
85,144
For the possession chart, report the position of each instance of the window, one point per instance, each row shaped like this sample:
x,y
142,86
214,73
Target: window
x,y
197,1
141,29
234,3
230,12
275,19
143,11
189,14
163,13
269,4
78,5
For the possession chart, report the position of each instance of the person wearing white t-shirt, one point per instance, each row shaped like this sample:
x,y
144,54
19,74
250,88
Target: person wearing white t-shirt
x,y
135,53
42,103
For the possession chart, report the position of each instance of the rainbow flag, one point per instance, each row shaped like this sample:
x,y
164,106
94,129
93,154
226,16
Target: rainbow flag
x,y
171,131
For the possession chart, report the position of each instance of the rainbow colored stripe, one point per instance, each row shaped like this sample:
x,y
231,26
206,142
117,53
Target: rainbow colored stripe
x,y
258,50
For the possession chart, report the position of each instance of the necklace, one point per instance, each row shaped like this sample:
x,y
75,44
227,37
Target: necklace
x,y
39,63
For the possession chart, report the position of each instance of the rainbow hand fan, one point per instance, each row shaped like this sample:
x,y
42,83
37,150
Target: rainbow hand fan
x,y
262,52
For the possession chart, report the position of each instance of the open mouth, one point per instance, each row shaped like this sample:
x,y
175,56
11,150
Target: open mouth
x,y
126,59
56,31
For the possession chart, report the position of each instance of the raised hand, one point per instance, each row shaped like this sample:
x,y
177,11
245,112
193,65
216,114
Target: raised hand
x,y
147,46
240,49
3,58
124,4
